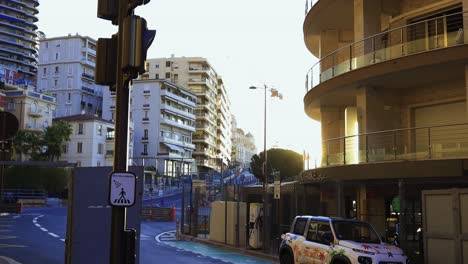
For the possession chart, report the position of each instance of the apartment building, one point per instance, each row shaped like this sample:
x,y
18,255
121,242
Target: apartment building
x,y
198,76
390,92
243,145
66,71
34,110
92,141
164,120
18,39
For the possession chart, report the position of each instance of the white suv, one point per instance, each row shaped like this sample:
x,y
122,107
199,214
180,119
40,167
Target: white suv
x,y
317,239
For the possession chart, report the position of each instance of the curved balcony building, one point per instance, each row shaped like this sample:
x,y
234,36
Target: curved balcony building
x,y
18,37
390,91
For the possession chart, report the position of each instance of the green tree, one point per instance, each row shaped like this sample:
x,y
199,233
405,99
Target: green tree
x,y
26,143
54,138
287,162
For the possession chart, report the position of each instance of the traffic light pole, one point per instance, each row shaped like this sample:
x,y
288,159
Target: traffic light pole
x,y
118,252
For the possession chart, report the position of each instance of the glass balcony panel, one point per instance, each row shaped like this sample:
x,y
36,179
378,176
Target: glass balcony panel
x,y
435,33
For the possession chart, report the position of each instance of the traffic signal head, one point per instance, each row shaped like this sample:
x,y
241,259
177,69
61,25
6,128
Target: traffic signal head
x,y
109,9
106,61
137,39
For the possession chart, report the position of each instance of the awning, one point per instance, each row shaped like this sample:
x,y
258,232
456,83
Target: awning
x,y
174,147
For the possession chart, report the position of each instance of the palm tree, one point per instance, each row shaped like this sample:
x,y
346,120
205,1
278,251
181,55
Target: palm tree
x,y
54,138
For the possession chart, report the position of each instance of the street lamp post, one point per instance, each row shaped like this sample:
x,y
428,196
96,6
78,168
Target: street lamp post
x,y
265,171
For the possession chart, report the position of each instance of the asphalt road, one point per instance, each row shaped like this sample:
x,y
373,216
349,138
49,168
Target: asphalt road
x,y
38,235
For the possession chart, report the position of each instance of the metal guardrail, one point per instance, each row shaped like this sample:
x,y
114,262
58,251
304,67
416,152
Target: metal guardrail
x,y
435,33
418,143
16,194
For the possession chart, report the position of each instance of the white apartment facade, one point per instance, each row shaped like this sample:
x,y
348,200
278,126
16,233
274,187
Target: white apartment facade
x,y
164,120
224,123
66,71
198,76
91,143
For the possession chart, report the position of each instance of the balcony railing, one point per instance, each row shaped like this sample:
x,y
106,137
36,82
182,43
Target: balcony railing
x,y
436,33
419,143
309,4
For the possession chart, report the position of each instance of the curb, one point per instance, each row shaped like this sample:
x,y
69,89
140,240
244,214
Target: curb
x,y
243,251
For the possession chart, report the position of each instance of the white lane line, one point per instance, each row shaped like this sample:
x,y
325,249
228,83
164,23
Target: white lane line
x,y
52,234
38,225
62,239
16,216
43,229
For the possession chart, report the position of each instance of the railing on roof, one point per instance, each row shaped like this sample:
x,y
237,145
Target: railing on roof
x,y
417,143
309,4
435,33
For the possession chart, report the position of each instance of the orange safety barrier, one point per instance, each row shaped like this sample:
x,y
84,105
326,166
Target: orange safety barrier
x,y
173,213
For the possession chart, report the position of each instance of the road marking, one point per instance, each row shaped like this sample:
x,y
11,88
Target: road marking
x,y
63,240
52,234
4,214
7,237
166,236
43,229
38,225
11,246
16,216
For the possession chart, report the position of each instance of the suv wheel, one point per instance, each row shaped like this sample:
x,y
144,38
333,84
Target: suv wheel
x,y
286,258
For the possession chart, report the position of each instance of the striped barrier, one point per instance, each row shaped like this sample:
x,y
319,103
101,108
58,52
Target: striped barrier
x,y
158,213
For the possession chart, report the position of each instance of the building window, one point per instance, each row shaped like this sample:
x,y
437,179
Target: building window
x,y
145,133
78,163
69,97
156,76
168,75
168,64
99,130
56,56
156,65
80,129
57,71
98,164
65,149
69,83
55,83
146,114
100,148
79,147
69,70
145,148
44,72
46,45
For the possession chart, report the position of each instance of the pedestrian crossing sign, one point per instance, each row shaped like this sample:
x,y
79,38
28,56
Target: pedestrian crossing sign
x,y
122,189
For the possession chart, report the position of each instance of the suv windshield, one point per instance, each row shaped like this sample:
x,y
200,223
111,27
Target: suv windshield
x,y
355,231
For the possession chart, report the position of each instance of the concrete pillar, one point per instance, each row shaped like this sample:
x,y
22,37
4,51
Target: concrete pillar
x,y
351,129
332,125
362,203
367,22
339,196
403,216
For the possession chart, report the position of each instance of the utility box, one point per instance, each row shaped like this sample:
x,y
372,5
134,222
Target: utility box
x,y
445,226
217,222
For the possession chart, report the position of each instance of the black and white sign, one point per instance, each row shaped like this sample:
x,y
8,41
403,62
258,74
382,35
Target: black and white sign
x,y
122,189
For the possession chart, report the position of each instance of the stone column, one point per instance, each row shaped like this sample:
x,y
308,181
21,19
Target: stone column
x,y
332,121
367,22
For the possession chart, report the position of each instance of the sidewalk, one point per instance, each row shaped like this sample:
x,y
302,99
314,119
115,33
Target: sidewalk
x,y
248,252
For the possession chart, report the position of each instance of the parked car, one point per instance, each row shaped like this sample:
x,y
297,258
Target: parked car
x,y
318,239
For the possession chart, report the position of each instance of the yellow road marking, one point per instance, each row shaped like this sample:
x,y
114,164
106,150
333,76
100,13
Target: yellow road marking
x,y
11,246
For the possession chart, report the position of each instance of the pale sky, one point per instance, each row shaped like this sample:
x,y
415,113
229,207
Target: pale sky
x,y
248,42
